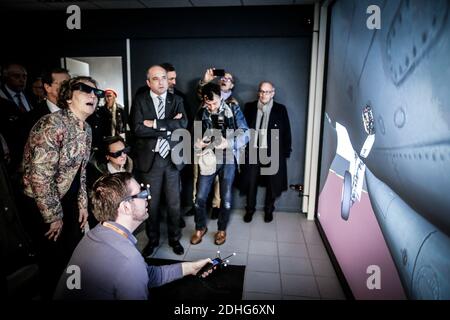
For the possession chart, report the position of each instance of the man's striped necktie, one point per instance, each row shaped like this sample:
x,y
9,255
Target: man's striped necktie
x,y
164,146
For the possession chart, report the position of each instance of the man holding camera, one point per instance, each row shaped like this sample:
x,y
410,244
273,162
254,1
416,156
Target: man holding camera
x,y
226,83
225,132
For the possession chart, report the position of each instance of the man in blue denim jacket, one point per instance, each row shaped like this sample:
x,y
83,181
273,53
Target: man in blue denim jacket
x,y
225,133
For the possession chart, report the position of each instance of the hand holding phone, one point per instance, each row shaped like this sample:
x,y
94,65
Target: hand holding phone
x,y
219,72
207,140
201,143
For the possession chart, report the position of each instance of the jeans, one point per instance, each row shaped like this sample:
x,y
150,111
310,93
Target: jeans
x,y
226,176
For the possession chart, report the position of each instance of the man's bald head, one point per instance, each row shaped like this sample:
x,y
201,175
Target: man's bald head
x,y
15,77
157,79
266,91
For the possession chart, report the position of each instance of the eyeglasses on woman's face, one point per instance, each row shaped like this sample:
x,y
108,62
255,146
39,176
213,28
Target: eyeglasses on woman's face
x,y
117,154
88,89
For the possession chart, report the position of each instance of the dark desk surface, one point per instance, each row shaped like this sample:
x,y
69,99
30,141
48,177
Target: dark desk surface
x,y
224,284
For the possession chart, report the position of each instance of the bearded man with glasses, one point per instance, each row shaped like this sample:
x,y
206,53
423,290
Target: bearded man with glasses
x,y
111,266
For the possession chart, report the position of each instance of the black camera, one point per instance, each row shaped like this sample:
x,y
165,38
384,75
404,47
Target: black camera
x,y
217,130
218,121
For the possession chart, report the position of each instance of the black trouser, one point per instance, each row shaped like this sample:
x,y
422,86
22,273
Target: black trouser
x,y
53,256
163,177
255,178
187,186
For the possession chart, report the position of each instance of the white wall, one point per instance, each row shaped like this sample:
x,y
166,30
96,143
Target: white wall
x,y
108,73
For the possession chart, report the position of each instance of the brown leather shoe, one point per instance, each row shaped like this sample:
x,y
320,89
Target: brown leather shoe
x,y
220,237
198,235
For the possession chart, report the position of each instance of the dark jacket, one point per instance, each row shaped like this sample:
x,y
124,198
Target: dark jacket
x,y
278,119
14,128
233,119
10,98
100,122
145,137
97,168
38,112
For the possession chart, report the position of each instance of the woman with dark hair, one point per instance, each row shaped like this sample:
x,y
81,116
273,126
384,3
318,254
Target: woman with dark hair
x,y
115,158
55,159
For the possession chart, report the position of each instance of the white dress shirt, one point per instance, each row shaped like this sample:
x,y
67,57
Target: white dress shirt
x,y
51,106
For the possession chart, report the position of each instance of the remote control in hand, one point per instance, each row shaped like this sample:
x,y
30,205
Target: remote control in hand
x,y
214,265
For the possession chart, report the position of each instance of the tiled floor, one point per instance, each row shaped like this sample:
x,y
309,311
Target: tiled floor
x,y
284,259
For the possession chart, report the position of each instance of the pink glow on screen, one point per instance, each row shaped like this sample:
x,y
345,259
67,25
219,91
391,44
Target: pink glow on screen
x,y
357,243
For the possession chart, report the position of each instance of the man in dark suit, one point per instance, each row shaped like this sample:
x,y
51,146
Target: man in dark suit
x,y
155,114
270,123
172,83
186,175
13,85
51,80
13,126
108,120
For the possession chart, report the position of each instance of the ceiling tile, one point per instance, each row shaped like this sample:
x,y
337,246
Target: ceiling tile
x,y
121,4
84,5
166,3
23,5
19,2
136,4
216,3
266,2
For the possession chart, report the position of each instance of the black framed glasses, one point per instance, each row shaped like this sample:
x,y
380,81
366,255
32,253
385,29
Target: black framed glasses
x,y
117,154
88,89
144,194
226,79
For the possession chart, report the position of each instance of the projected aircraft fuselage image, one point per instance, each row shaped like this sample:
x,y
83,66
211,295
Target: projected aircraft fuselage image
x,y
384,176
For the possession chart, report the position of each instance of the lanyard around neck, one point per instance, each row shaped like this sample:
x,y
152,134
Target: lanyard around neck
x,y
115,229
